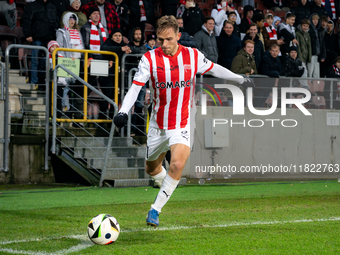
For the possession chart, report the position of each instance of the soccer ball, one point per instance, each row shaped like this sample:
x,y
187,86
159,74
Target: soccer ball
x,y
103,229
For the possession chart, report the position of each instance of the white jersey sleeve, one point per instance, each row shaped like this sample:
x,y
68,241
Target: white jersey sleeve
x,y
143,73
203,64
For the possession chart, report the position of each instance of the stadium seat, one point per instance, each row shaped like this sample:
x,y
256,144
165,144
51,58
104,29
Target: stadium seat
x,y
259,5
266,11
281,14
149,29
317,87
317,102
240,11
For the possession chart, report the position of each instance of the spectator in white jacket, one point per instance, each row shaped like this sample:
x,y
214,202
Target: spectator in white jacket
x,y
220,14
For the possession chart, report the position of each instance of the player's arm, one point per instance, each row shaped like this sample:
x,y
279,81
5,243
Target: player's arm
x,y
140,78
223,73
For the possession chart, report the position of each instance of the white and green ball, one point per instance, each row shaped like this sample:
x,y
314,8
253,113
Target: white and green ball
x,y
103,229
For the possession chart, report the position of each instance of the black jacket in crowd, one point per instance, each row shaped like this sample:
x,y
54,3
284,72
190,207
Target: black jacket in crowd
x,y
186,39
316,35
321,11
292,68
244,21
110,45
258,49
301,12
123,12
270,66
40,21
228,46
193,19
135,12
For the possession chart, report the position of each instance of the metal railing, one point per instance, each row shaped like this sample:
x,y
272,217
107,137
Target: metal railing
x,y
55,120
7,111
86,53
2,79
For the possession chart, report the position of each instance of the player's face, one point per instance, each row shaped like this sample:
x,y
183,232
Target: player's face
x,y
274,52
249,48
168,40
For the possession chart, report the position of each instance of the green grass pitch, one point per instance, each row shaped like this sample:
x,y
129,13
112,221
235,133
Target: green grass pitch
x,y
251,218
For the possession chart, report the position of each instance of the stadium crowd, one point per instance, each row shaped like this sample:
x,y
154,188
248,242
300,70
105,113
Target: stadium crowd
x,y
277,38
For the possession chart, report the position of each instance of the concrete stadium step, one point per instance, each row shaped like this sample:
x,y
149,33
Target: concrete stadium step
x,y
95,141
95,152
34,107
20,81
37,100
139,182
125,173
120,162
32,93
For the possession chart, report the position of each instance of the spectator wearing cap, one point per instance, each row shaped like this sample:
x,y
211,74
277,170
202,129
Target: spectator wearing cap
x,y
206,40
248,13
39,24
9,11
151,41
293,67
107,13
302,11
75,8
269,32
122,10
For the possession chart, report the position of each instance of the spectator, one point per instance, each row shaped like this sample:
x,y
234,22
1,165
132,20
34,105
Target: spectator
x,y
221,12
270,66
331,41
333,72
302,11
93,32
228,45
185,39
193,18
276,23
269,32
114,44
259,49
109,17
331,7
318,8
232,18
318,47
206,40
69,37
293,66
258,19
244,62
8,10
136,40
141,11
277,5
122,10
39,23
323,22
248,12
287,33
181,8
75,8
151,41
305,45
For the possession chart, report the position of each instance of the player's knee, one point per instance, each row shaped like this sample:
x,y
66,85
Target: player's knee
x,y
177,165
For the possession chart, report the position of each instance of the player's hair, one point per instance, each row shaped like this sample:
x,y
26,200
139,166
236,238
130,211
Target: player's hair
x,y
166,22
305,21
228,22
290,15
274,46
206,19
248,41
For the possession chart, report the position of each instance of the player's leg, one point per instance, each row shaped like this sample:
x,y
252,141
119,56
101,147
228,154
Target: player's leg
x,y
156,170
179,156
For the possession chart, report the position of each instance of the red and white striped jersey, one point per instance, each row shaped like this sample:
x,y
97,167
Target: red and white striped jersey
x,y
171,84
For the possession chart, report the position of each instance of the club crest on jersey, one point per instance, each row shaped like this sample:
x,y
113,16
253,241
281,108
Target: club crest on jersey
x,y
172,85
187,68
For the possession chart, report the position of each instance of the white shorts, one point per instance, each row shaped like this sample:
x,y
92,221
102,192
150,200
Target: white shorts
x,y
160,140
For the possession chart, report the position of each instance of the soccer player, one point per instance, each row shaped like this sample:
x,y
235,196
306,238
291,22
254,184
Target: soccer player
x,y
171,69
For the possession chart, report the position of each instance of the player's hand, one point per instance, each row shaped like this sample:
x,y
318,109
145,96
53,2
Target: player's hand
x,y
120,119
248,82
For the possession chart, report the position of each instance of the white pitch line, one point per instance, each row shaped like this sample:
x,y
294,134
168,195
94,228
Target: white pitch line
x,y
87,243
